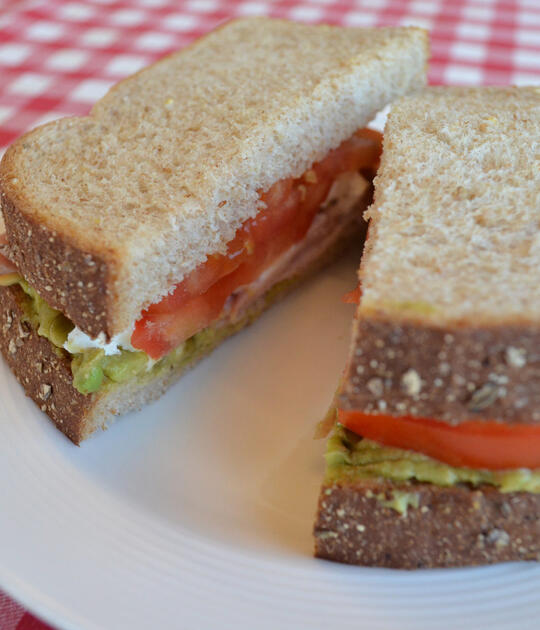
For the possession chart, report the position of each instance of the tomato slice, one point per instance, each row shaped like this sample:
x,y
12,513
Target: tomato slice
x,y
290,206
353,297
6,266
472,444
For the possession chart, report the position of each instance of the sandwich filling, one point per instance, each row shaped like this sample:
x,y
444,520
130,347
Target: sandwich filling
x,y
406,448
287,212
481,444
300,218
411,450
351,456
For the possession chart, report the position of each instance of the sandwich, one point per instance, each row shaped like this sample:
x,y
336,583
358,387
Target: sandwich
x,y
194,194
434,460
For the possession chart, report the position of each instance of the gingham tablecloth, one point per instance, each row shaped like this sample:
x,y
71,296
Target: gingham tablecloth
x,y
57,57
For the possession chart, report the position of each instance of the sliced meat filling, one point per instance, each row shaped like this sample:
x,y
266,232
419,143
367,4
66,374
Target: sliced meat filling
x,y
296,224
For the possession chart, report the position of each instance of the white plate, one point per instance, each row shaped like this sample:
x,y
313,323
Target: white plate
x,y
197,512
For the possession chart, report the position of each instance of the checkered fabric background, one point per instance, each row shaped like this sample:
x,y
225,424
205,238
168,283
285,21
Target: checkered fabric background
x,y
57,57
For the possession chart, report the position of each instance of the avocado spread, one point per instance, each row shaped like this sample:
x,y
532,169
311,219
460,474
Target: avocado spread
x,y
350,457
93,370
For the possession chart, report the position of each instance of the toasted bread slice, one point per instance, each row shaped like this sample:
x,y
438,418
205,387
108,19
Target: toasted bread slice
x,y
105,213
448,326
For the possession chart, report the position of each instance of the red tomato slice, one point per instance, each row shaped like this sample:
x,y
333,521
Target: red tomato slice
x,y
290,206
473,444
353,297
157,328
6,266
196,283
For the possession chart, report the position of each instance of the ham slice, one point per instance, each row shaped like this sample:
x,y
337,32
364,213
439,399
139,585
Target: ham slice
x,y
335,217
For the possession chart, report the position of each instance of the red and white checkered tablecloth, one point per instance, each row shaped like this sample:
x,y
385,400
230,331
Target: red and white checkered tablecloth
x,y
57,57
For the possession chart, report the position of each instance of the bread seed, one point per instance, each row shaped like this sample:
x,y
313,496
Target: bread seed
x,y
444,368
516,357
498,537
45,391
483,397
412,383
375,386
325,535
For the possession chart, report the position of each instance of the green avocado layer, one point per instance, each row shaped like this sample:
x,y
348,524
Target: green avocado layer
x,y
49,322
349,458
94,371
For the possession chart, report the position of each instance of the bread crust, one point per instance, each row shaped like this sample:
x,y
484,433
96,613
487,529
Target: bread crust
x,y
44,373
451,527
72,280
450,374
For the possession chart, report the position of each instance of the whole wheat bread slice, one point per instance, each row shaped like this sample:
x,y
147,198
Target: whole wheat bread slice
x,y
105,213
449,322
447,527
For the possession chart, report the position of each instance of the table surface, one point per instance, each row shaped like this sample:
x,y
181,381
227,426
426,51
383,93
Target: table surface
x,y
58,57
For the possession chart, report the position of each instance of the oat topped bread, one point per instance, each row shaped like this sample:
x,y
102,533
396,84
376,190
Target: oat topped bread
x,y
194,194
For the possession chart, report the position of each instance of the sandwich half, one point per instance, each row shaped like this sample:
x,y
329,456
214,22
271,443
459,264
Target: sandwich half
x,y
435,457
195,193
